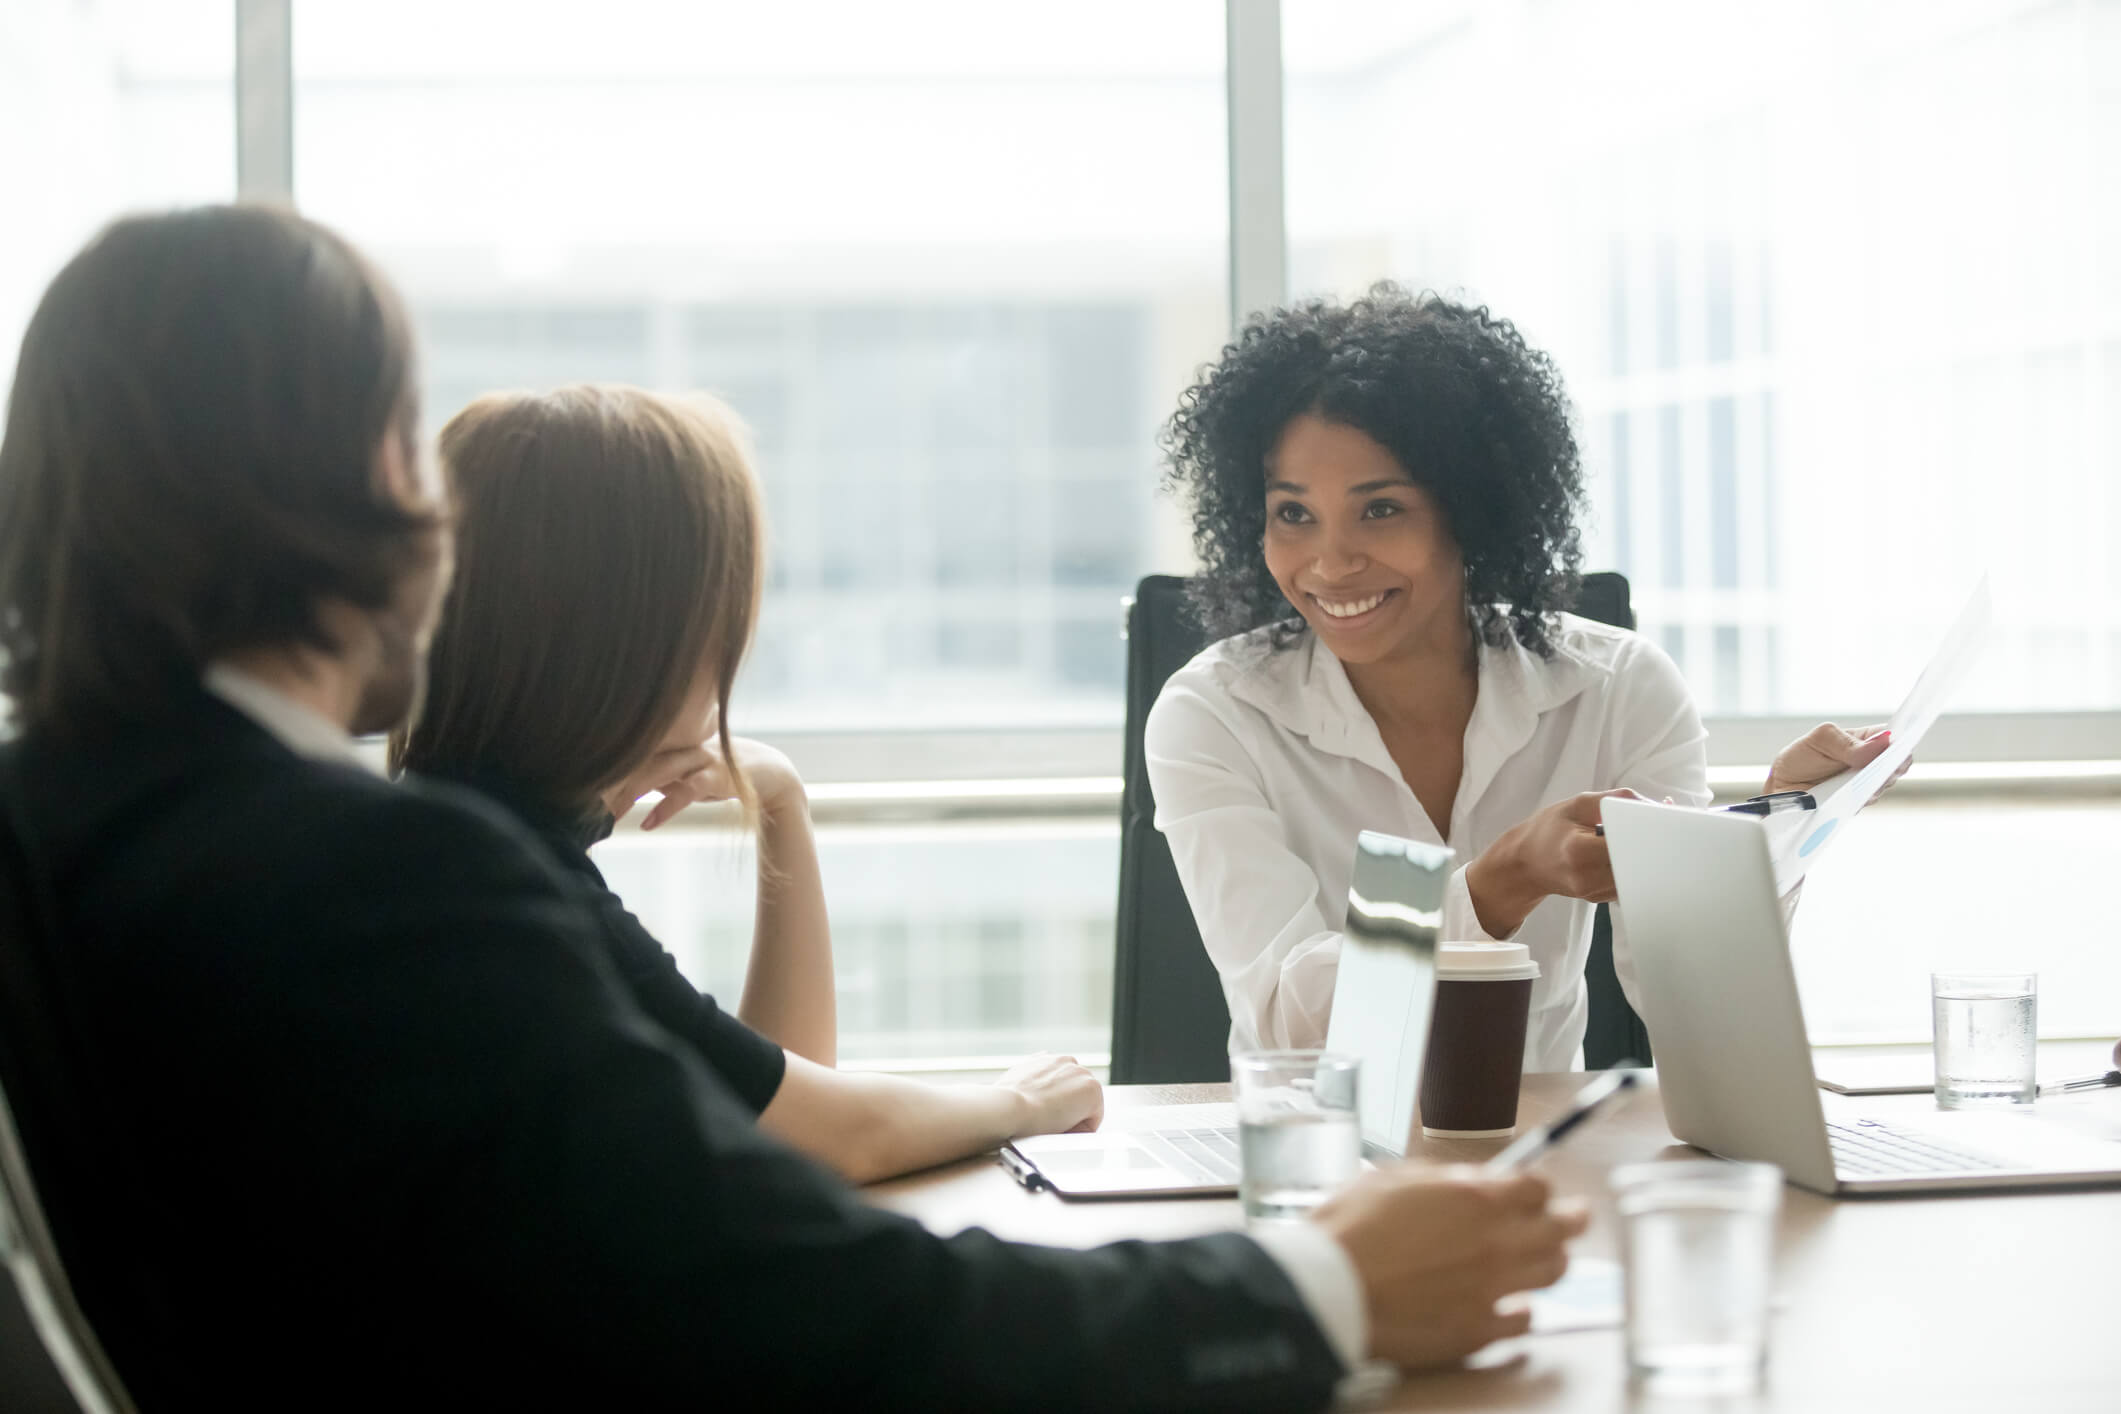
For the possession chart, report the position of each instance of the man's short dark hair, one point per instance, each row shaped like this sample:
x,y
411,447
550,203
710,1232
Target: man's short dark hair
x,y
190,461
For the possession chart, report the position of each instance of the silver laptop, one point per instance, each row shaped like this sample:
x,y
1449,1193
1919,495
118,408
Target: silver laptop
x,y
1383,993
1719,996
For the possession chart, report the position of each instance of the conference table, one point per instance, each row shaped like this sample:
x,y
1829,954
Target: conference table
x,y
1992,1302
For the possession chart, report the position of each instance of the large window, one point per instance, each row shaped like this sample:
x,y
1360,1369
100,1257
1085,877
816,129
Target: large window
x,y
1835,288
949,941
105,106
1989,883
951,260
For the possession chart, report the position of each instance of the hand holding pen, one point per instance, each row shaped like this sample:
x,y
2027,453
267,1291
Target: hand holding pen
x,y
1528,1147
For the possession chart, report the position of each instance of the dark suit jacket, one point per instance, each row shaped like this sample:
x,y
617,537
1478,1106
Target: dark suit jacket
x,y
377,1124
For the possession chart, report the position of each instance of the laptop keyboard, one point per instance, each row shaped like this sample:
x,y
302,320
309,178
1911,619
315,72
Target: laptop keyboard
x,y
1203,1155
1869,1149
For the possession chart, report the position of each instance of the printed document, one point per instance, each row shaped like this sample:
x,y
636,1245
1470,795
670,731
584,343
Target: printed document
x,y
1800,837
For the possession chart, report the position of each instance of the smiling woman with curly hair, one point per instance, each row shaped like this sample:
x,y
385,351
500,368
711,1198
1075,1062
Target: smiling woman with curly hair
x,y
1474,417
1385,498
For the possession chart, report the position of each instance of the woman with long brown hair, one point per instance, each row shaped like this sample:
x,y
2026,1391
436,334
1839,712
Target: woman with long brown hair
x,y
609,564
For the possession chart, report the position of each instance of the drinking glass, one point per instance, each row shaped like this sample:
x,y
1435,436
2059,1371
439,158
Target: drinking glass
x,y
1698,1246
1298,1139
1982,1029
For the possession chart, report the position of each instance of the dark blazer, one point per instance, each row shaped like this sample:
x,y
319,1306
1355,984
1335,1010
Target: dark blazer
x,y
381,1127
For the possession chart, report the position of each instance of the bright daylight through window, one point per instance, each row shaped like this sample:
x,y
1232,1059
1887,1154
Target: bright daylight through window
x,y
1842,316
105,108
1836,289
952,261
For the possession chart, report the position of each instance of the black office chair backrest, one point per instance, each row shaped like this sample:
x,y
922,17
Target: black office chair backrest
x,y
1613,1034
50,1358
1170,1023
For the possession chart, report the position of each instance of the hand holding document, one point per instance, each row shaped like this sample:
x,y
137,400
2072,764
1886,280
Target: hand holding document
x,y
1798,840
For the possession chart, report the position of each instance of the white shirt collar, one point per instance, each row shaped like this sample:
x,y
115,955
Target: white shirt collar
x,y
301,729
1306,689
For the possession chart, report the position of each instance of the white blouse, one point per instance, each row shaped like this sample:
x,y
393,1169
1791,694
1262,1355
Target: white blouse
x,y
1266,765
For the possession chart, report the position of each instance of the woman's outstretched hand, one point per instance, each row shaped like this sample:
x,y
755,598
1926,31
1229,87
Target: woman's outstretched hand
x,y
1556,851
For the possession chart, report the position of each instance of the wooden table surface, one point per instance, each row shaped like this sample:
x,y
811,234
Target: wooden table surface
x,y
1989,1302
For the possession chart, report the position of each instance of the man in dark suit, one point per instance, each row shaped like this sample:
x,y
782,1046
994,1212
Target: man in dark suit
x,y
357,1113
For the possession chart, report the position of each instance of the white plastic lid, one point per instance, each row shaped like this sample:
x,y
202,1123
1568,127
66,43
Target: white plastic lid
x,y
1485,962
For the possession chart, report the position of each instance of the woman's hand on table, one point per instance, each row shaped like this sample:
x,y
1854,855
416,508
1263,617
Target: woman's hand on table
x,y
1056,1096
1558,850
1436,1249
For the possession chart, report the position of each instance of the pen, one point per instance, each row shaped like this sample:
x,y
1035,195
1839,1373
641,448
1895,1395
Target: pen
x,y
1773,804
2082,1082
1534,1142
1020,1169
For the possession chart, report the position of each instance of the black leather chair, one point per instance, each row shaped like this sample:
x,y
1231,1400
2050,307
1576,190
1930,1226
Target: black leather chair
x,y
50,1358
1170,1024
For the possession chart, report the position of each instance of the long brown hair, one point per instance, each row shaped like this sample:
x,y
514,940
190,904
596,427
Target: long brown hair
x,y
609,543
190,463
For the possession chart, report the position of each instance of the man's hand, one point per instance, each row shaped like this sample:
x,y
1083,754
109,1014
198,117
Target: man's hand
x,y
1825,752
1058,1096
1435,1249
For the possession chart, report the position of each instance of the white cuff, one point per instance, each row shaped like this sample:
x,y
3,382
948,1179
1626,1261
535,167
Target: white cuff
x,y
1325,1278
1461,923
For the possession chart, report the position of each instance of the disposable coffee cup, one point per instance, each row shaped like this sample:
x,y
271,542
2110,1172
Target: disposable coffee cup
x,y
1471,1075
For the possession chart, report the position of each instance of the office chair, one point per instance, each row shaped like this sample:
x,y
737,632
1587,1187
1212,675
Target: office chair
x,y
1170,1024
1613,1033
50,1359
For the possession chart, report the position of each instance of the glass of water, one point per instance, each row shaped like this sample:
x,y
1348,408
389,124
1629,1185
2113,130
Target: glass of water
x,y
1982,1029
1297,1135
1698,1247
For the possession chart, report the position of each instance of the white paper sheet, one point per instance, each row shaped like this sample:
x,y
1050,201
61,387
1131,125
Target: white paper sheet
x,y
1800,838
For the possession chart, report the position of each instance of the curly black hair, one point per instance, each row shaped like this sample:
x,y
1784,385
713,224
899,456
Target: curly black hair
x,y
1476,417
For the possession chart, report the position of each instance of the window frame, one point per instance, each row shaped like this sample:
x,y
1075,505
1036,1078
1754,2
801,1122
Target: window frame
x,y
1258,264
2042,746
